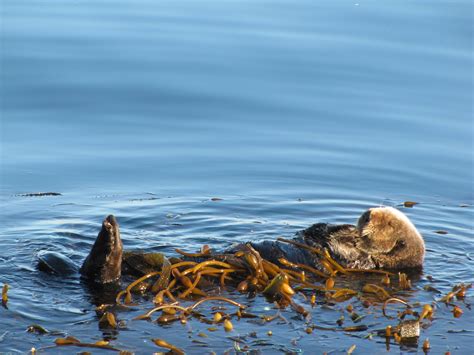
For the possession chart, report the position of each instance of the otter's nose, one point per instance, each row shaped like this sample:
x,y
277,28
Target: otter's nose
x,y
111,219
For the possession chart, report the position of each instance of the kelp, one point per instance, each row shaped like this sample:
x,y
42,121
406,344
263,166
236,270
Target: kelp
x,y
72,341
179,287
5,295
164,278
378,291
173,349
108,321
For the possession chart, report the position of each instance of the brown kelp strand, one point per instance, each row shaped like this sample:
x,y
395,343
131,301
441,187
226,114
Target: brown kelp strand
x,y
183,263
191,287
328,267
190,309
334,262
287,263
344,293
216,298
271,269
164,344
303,246
458,291
127,293
159,308
72,341
278,285
355,328
461,289
194,255
294,275
393,300
378,291
164,278
199,266
5,295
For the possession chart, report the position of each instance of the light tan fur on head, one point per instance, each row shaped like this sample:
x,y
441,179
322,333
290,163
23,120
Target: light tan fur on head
x,y
390,238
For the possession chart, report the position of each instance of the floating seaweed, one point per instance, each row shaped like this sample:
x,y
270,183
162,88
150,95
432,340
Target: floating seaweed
x,y
177,289
173,349
5,295
72,341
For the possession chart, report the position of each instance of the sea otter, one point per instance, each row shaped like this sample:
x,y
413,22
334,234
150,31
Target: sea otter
x,y
383,238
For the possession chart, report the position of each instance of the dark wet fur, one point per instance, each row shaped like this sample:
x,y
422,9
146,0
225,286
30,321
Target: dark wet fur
x,y
104,262
52,262
340,240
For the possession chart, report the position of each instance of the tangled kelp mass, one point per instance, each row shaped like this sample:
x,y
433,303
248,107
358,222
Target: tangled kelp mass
x,y
330,311
178,289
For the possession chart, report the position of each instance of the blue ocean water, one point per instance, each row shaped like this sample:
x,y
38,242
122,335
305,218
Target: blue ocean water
x,y
291,112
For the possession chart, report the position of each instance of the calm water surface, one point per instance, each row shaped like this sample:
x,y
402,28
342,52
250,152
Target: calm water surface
x,y
291,112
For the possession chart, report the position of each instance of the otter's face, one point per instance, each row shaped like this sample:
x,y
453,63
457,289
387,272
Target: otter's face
x,y
110,234
378,228
388,235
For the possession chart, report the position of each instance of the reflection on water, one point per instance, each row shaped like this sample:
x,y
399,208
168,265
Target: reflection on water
x,y
293,113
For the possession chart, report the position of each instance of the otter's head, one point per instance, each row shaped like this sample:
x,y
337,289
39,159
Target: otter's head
x,y
104,262
390,238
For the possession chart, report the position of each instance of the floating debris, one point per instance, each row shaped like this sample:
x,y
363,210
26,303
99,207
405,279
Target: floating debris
x,y
40,194
457,312
5,295
409,204
409,330
426,345
37,329
351,349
